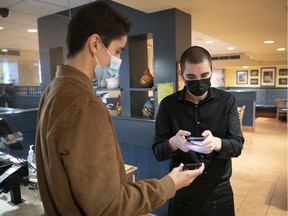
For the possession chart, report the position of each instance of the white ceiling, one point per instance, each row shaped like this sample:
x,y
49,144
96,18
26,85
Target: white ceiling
x,y
241,24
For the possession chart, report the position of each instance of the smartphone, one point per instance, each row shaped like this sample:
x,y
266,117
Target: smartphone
x,y
191,138
191,166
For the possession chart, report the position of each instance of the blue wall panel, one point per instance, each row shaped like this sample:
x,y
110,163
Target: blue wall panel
x,y
148,166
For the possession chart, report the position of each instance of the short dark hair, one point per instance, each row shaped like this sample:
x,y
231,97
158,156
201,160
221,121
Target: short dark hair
x,y
96,17
195,55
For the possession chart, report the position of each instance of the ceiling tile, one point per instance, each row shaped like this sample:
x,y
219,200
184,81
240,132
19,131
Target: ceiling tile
x,y
9,3
65,4
36,8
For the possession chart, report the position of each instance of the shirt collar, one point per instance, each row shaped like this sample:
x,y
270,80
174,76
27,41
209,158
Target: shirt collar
x,y
68,71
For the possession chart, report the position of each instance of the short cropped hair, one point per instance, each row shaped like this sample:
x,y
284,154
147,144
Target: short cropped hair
x,y
96,17
195,55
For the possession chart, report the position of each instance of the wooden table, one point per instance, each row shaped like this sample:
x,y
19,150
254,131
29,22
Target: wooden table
x,y
130,172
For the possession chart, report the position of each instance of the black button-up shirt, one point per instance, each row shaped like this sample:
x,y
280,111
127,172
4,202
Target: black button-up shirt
x,y
217,113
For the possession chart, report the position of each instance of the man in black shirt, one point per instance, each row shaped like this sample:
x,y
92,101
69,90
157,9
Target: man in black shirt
x,y
200,110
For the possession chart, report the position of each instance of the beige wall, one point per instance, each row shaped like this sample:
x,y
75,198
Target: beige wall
x,y
232,66
231,79
28,74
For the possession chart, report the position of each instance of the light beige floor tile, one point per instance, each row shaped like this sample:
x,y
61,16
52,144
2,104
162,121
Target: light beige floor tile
x,y
261,171
251,208
273,211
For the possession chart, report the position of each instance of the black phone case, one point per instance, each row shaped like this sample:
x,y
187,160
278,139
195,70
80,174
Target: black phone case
x,y
191,166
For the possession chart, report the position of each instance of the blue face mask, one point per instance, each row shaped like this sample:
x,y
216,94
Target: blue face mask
x,y
102,73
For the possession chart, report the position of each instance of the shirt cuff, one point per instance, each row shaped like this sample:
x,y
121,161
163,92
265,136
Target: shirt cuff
x,y
168,151
222,153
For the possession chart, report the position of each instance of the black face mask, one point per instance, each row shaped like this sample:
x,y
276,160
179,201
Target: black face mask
x,y
198,87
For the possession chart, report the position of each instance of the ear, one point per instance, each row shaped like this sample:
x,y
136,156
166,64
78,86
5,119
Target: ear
x,y
179,72
213,68
93,42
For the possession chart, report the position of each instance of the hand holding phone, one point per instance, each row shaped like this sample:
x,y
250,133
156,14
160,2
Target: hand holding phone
x,y
184,178
191,166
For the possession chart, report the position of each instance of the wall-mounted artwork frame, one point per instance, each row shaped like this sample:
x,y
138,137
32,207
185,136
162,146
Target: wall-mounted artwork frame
x,y
268,76
218,78
283,72
253,72
283,81
254,81
242,77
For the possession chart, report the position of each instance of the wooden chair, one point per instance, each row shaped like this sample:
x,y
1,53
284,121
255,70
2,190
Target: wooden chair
x,y
241,111
282,105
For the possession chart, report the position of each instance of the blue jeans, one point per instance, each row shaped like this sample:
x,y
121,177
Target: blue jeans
x,y
205,200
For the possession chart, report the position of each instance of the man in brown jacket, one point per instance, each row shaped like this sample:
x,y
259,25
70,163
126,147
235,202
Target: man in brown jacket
x,y
79,164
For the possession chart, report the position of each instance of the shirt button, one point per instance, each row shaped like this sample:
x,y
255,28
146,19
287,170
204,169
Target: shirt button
x,y
205,173
198,123
201,156
196,105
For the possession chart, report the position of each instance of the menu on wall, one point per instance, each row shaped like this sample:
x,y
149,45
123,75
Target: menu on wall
x,y
164,89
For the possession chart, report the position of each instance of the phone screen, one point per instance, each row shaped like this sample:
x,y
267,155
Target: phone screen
x,y
190,138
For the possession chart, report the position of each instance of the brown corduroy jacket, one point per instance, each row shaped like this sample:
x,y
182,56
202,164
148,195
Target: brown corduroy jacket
x,y
79,164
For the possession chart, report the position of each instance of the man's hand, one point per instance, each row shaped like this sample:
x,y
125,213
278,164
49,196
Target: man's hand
x,y
206,146
184,178
179,142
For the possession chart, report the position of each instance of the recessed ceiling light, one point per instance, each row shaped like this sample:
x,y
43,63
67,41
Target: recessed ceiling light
x,y
245,67
230,48
209,42
1,27
280,49
269,42
4,50
32,30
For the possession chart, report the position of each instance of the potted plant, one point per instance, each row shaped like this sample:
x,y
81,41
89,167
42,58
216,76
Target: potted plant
x,y
6,91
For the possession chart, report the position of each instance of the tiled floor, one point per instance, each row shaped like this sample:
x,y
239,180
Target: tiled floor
x,y
260,173
259,176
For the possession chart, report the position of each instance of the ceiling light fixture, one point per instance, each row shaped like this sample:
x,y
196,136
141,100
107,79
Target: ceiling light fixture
x,y
209,42
230,48
31,30
269,42
4,50
1,27
280,49
245,67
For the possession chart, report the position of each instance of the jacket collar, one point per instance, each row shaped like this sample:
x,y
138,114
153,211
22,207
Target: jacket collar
x,y
67,71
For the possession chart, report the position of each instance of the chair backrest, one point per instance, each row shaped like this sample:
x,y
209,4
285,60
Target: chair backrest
x,y
241,111
281,104
282,108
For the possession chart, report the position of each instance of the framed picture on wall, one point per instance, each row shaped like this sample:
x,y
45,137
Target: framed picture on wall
x,y
253,81
268,76
218,78
283,72
283,81
253,72
242,77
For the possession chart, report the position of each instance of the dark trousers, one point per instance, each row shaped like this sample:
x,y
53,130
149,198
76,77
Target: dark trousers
x,y
214,200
